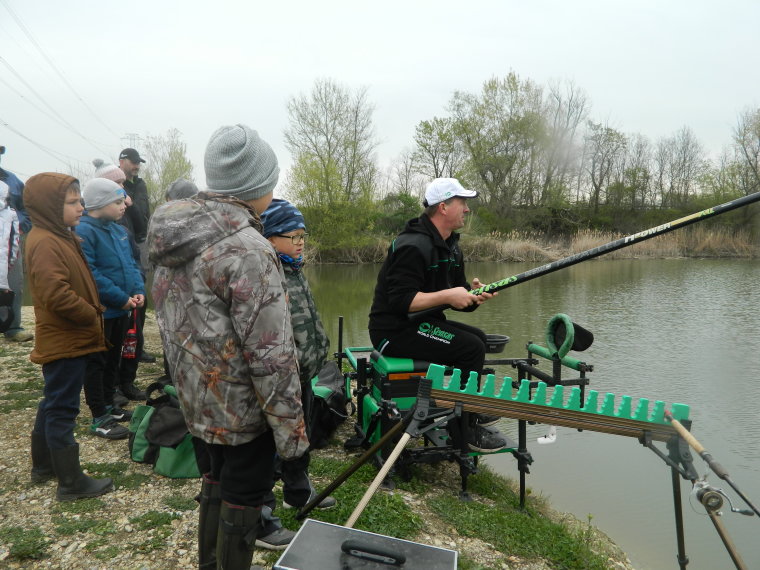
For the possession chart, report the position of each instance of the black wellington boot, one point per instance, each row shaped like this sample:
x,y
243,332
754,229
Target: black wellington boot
x,y
72,482
238,527
208,522
42,465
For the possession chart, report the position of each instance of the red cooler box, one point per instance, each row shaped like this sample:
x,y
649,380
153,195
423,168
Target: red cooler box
x,y
324,546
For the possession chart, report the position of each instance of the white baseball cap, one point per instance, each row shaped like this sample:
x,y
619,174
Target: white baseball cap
x,y
442,189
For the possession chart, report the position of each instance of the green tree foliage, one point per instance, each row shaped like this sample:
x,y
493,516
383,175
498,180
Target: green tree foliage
x,y
504,134
166,161
438,153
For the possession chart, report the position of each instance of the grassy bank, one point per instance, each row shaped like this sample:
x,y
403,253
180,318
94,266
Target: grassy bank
x,y
696,241
150,522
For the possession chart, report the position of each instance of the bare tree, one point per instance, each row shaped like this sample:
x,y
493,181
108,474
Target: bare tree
x,y
747,140
679,164
604,150
332,140
166,161
567,107
404,177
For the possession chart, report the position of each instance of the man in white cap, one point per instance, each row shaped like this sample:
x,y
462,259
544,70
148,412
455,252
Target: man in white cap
x,y
424,269
220,300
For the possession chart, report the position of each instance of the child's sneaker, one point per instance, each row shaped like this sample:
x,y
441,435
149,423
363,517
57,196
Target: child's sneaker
x,y
120,415
108,429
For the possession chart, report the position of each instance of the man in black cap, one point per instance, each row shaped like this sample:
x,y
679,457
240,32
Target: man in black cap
x,y
138,214
136,221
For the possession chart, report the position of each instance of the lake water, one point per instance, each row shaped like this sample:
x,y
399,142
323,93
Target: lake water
x,y
675,330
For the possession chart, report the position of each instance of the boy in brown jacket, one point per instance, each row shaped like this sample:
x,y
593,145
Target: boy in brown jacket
x,y
69,326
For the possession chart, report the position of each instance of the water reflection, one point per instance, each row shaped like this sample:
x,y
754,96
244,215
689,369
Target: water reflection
x,y
676,330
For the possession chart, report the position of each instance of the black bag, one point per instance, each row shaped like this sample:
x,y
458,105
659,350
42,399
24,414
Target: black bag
x,y
331,398
6,310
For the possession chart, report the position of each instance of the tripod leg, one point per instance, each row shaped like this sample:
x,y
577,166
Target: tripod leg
x,y
378,479
340,479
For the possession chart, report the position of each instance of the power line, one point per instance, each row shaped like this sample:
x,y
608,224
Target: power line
x,y
60,119
54,153
54,66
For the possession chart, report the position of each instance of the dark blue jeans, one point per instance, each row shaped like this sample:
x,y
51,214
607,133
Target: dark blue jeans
x,y
58,410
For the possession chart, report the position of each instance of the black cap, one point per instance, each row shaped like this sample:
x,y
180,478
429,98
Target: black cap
x,y
131,154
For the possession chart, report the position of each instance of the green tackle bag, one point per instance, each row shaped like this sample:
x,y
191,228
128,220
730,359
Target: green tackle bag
x,y
158,435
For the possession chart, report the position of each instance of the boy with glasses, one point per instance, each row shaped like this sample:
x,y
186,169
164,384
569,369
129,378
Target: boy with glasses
x,y
285,228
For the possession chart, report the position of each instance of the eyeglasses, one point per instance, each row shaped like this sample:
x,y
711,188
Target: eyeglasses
x,y
298,238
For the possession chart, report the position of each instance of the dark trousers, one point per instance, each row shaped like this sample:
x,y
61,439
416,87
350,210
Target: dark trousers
x,y
128,366
438,341
245,472
16,284
296,486
103,369
59,408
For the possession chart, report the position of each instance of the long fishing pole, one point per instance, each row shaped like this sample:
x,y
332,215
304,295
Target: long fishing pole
x,y
607,248
716,467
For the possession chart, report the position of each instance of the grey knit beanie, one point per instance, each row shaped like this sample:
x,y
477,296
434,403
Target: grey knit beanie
x,y
99,192
239,163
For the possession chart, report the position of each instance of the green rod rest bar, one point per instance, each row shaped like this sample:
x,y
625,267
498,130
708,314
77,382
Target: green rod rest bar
x,y
568,361
349,352
591,406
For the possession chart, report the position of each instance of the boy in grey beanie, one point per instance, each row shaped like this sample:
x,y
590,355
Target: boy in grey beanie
x,y
121,289
222,309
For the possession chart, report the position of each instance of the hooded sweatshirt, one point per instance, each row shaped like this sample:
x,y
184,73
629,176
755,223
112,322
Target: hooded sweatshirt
x,y
8,237
220,301
68,315
418,260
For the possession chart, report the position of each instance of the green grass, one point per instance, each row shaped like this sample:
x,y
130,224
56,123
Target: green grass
x,y
153,520
119,471
102,549
386,513
180,503
511,531
79,506
24,543
157,541
68,526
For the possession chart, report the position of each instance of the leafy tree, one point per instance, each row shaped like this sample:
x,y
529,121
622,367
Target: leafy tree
x,y
503,131
166,161
438,152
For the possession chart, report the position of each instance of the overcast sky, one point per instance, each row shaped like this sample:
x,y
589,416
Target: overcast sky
x,y
143,67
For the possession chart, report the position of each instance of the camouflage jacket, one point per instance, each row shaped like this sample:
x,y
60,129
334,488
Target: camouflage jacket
x,y
312,343
220,301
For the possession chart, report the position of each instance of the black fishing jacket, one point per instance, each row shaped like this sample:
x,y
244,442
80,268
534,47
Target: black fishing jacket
x,y
419,260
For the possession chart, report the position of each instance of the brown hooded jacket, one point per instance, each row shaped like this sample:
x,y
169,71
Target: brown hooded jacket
x,y
68,314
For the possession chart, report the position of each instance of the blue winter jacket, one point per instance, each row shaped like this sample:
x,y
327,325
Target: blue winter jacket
x,y
106,246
